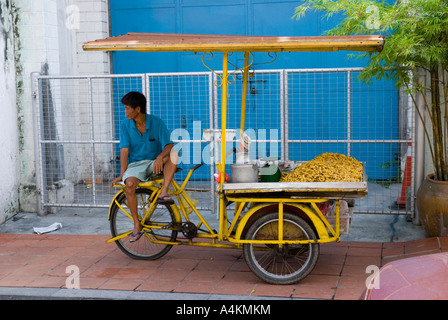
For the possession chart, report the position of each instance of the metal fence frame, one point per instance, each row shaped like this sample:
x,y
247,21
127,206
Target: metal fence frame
x,y
214,104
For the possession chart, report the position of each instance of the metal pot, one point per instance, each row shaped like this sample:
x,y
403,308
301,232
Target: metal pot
x,y
243,173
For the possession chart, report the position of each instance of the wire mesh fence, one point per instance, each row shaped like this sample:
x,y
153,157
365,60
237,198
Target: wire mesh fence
x,y
290,114
78,135
330,110
263,119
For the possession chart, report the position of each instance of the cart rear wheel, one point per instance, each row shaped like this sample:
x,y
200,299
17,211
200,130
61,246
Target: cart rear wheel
x,y
144,248
286,264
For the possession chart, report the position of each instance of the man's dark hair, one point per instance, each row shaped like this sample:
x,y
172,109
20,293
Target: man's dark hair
x,y
134,100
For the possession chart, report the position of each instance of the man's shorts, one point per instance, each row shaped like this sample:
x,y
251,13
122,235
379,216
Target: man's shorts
x,y
141,170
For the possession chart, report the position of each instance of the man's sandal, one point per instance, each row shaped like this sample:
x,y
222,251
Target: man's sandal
x,y
165,200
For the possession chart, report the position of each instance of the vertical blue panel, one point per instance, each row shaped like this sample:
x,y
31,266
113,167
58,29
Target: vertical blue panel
x,y
181,101
317,111
225,18
121,87
211,18
143,16
380,99
274,18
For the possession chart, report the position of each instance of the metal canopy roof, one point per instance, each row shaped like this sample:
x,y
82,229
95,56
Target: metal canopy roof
x,y
157,42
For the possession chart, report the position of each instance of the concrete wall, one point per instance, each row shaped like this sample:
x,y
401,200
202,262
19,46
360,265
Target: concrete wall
x,y
43,36
9,142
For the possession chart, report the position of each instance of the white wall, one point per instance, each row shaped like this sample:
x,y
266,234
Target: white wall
x,y
9,144
48,36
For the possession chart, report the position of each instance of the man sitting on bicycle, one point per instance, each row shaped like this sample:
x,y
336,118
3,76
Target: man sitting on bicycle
x,y
146,151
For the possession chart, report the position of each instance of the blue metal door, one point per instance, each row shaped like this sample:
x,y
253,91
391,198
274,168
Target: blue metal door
x,y
238,17
260,17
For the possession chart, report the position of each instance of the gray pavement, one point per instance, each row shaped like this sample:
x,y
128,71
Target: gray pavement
x,y
363,227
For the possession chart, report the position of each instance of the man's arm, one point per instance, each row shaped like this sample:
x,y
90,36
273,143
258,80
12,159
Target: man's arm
x,y
124,155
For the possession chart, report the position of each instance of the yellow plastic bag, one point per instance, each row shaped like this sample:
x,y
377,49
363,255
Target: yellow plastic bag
x,y
188,208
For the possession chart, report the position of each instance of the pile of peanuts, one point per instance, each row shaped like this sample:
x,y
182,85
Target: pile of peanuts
x,y
327,167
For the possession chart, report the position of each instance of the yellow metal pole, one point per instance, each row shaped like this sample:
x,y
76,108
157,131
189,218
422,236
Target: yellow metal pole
x,y
243,102
222,167
280,224
225,83
338,206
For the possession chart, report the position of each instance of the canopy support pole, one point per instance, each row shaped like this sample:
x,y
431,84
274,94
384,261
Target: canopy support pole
x,y
222,166
243,101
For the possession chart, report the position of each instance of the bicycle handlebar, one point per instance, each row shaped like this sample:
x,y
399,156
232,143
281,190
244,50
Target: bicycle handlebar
x,y
197,166
189,175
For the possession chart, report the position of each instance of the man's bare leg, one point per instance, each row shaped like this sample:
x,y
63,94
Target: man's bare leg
x,y
131,186
169,169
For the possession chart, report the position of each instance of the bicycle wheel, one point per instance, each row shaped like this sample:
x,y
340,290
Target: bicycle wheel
x,y
144,248
281,265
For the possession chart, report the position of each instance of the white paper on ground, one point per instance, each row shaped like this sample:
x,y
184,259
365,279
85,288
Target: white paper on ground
x,y
53,227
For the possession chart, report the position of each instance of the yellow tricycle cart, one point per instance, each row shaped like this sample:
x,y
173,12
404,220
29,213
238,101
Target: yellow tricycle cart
x,y
279,225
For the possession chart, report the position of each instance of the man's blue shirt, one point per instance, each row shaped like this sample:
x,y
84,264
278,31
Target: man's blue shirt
x,y
146,146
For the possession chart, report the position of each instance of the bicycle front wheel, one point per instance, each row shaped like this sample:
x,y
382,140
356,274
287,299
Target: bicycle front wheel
x,y
146,248
284,264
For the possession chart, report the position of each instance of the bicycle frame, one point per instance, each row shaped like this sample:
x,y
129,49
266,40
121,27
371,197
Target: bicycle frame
x,y
325,231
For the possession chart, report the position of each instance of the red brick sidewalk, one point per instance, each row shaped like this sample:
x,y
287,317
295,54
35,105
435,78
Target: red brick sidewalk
x,y
41,260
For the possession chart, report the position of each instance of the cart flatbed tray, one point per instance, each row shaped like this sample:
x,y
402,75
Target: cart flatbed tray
x,y
327,190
